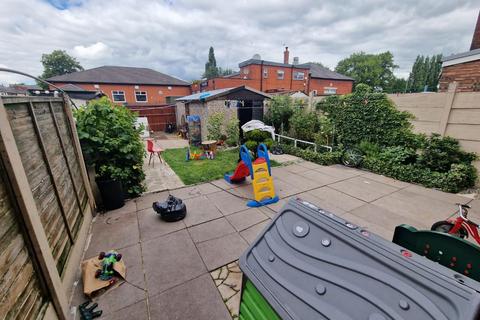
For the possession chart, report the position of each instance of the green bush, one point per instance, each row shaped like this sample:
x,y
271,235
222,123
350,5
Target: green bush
x,y
324,135
326,158
278,113
214,126
111,143
439,153
233,132
252,145
304,125
367,116
258,135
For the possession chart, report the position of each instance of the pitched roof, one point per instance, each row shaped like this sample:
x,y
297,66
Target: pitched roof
x,y
119,75
213,94
462,57
317,71
72,87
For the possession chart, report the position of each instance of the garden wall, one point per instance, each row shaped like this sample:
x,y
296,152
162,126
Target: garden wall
x,y
45,176
454,114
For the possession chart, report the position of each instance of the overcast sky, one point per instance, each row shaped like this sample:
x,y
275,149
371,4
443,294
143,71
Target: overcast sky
x,y
173,36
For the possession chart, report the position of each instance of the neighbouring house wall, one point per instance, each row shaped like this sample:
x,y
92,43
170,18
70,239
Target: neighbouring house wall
x,y
455,114
342,86
467,75
44,163
156,95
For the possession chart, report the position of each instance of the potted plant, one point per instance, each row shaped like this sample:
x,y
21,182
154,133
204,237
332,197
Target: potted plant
x,y
112,144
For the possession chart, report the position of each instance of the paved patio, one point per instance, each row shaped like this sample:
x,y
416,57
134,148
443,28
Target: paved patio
x,y
168,264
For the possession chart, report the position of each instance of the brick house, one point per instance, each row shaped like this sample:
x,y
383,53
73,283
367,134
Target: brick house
x,y
269,76
464,68
128,85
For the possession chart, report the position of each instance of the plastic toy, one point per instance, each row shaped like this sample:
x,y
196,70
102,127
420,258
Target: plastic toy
x,y
460,226
108,260
260,172
199,156
171,210
88,313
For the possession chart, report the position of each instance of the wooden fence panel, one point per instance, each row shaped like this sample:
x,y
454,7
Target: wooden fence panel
x,y
158,117
21,293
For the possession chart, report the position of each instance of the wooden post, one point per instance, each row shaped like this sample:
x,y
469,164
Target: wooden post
x,y
62,145
452,90
29,214
41,143
78,150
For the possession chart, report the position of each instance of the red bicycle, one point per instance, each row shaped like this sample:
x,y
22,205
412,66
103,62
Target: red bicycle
x,y
459,226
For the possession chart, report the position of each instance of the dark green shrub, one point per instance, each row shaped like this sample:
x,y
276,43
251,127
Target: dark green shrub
x,y
326,158
252,145
233,132
278,113
258,135
369,149
439,153
214,126
304,125
397,155
111,143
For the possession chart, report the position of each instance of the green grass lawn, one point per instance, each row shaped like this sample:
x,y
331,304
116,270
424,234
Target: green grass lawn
x,y
195,171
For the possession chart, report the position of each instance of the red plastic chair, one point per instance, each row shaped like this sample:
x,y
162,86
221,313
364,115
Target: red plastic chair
x,y
153,150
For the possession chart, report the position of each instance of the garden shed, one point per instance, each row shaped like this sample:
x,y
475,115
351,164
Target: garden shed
x,y
242,102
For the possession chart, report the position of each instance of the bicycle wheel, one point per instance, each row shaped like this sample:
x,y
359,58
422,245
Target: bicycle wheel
x,y
352,158
446,226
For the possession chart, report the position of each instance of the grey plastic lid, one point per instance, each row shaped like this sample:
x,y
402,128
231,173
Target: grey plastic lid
x,y
311,264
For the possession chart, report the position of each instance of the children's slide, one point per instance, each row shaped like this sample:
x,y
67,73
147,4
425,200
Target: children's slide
x,y
239,175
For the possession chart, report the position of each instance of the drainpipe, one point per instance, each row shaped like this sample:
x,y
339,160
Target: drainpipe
x,y
261,76
291,77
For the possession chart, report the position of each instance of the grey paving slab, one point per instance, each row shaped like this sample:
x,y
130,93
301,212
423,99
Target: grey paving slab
x,y
207,188
130,206
227,203
119,298
296,168
222,184
310,165
247,218
151,226
363,188
299,181
331,199
416,206
200,210
210,230
113,232
275,207
218,252
269,212
320,178
386,180
340,172
437,195
132,257
284,189
381,216
147,200
170,260
251,233
186,192
321,203
137,311
196,299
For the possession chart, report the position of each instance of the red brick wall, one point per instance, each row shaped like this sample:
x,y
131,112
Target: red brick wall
x,y
343,86
466,74
156,95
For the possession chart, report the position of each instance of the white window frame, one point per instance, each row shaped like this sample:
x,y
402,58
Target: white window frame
x,y
329,90
296,75
282,73
246,71
265,73
141,93
117,93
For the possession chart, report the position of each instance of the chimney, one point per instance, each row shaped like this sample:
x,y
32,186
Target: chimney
x,y
285,55
476,35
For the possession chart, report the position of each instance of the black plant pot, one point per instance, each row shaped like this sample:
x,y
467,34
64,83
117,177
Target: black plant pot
x,y
112,193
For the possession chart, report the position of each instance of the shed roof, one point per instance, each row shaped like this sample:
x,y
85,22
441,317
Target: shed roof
x,y
462,57
120,75
218,93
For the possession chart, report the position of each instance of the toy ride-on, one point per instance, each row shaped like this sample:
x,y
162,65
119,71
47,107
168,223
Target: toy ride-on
x,y
108,259
460,226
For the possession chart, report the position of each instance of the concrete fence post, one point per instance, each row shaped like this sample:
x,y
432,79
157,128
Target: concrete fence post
x,y
452,90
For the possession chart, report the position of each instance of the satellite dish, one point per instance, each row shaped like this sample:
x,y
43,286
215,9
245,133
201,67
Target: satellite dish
x,y
256,56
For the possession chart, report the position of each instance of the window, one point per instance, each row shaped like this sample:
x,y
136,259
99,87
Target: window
x,y
280,74
141,96
298,75
118,96
265,73
245,70
328,90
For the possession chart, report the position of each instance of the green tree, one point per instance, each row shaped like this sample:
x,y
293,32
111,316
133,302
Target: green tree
x,y
398,85
211,70
56,63
224,72
425,72
375,70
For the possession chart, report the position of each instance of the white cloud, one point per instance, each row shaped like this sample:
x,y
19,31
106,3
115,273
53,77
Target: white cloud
x,y
173,36
95,51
